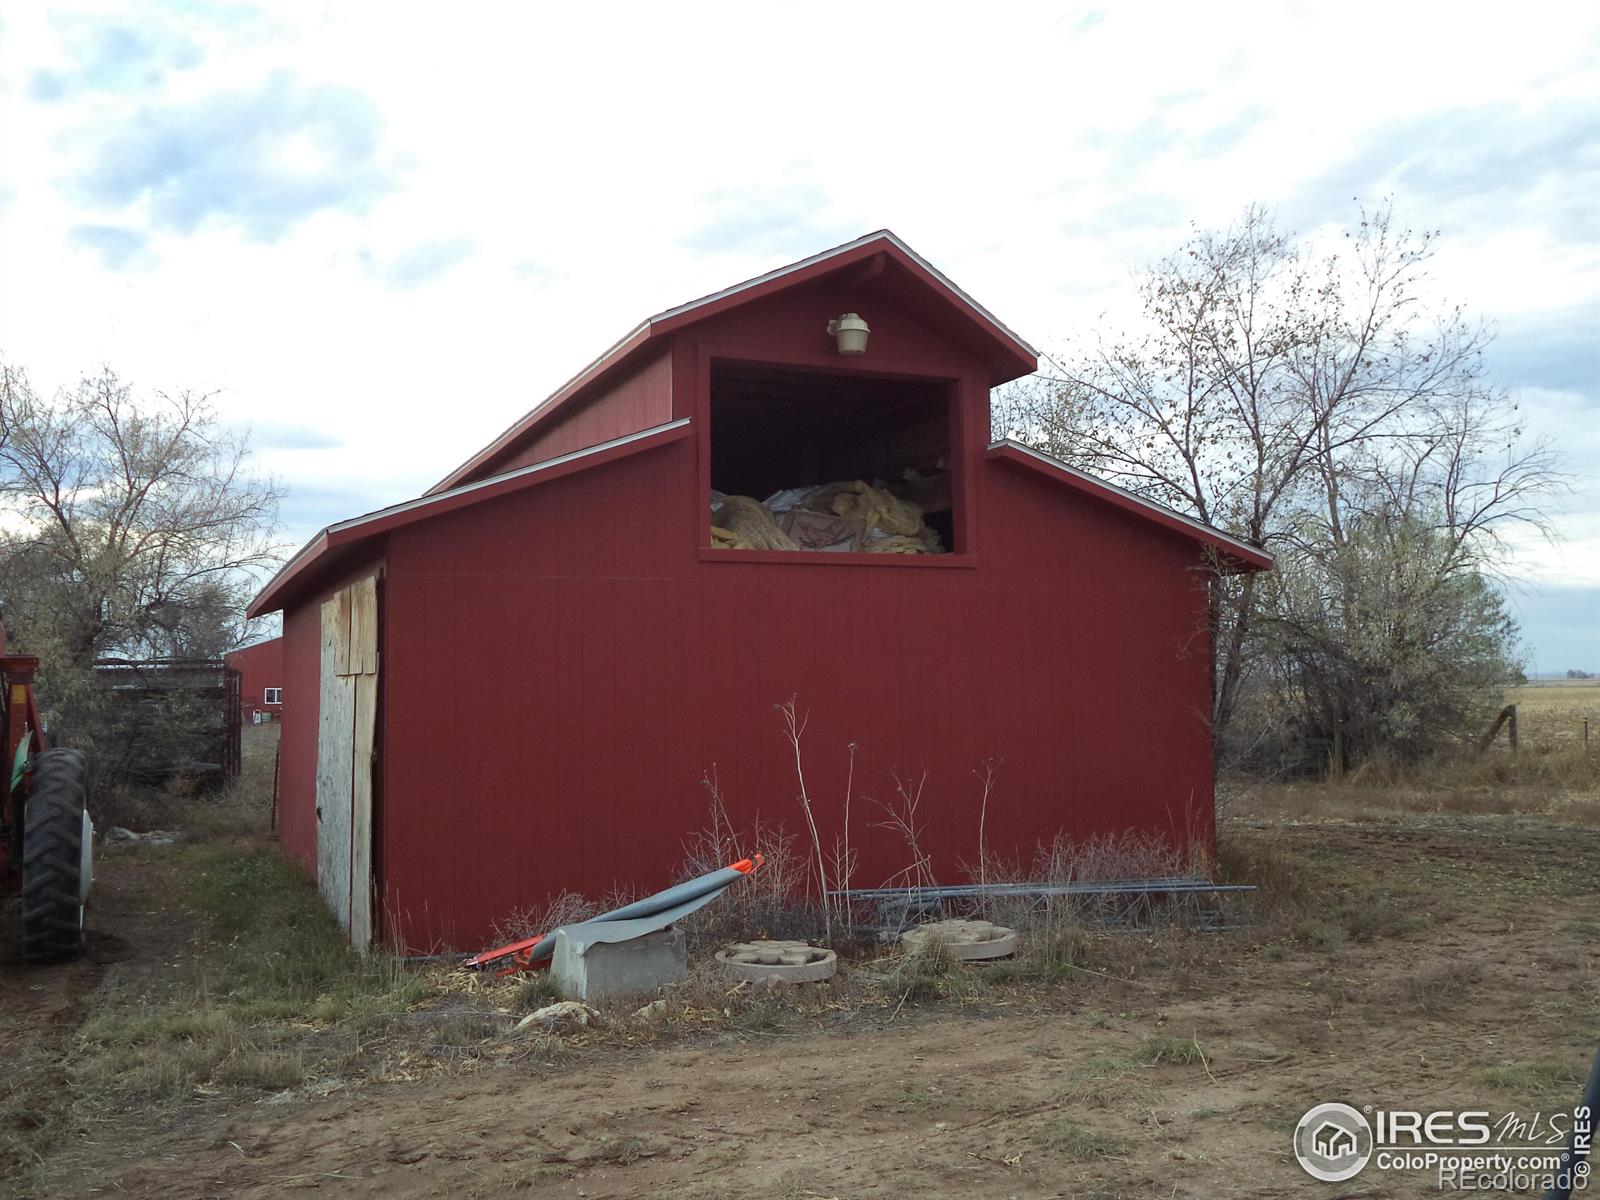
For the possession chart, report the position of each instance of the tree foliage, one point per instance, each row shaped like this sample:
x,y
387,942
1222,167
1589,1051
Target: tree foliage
x,y
1319,407
1385,635
130,527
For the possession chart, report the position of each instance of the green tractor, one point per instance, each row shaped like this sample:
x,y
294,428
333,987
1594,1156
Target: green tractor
x,y
44,821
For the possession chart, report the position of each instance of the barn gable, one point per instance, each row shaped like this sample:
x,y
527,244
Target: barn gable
x,y
628,384
578,599
754,369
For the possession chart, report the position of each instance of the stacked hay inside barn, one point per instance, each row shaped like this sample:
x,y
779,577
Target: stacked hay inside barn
x,y
847,516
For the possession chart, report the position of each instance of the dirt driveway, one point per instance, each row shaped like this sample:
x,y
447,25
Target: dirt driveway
x,y
1087,1088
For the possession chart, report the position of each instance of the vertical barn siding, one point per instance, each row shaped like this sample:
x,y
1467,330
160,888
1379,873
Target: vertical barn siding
x,y
641,399
260,667
570,663
606,667
297,739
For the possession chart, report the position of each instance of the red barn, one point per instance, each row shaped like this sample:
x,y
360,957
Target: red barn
x,y
514,684
260,670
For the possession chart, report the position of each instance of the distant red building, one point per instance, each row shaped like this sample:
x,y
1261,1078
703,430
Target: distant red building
x,y
514,684
260,670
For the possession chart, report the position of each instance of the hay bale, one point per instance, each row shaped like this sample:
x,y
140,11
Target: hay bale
x,y
875,509
749,521
895,543
727,539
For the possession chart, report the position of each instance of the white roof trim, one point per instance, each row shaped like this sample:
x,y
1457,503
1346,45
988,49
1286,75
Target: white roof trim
x,y
882,235
532,469
1193,522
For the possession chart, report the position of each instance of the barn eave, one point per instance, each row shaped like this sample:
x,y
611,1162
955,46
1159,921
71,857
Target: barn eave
x,y
1235,554
344,540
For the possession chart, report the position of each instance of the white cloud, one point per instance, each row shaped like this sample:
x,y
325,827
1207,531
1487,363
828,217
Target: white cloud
x,y
353,217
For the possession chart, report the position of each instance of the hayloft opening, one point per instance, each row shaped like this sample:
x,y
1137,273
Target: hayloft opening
x,y
805,460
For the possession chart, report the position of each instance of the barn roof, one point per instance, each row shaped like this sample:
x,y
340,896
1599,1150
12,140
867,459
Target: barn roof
x,y
345,542
916,283
941,304
1236,553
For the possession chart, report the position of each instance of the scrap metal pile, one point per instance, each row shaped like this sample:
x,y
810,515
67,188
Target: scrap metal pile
x,y
849,516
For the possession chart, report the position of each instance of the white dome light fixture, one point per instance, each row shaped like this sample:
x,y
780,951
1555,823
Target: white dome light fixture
x,y
850,331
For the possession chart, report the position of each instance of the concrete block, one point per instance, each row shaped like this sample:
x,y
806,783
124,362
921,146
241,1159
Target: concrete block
x,y
604,969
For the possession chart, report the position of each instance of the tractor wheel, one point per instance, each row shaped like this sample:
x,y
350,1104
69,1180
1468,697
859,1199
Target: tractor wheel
x,y
57,844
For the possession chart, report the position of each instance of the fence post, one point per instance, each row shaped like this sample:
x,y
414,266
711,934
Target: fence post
x,y
1513,730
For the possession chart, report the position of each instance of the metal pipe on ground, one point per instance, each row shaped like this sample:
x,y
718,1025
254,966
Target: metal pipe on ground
x,y
1119,887
678,900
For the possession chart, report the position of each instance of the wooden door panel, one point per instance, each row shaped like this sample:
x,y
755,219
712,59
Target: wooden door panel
x,y
345,741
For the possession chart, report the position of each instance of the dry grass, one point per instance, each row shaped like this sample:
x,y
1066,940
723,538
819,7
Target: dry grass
x,y
1109,1083
1551,713
1569,793
1074,1141
772,902
1553,774
1164,1050
240,807
536,920
1532,1078
1432,988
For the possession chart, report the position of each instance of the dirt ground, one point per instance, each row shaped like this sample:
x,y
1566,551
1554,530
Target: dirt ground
x,y
1441,960
1051,1100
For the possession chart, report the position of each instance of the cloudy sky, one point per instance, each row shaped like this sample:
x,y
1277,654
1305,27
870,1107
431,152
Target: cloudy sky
x,y
383,231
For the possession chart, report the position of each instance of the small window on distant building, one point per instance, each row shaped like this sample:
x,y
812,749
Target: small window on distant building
x,y
272,696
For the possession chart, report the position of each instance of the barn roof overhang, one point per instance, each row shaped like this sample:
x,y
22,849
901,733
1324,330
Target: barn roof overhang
x,y
347,541
1233,554
253,646
879,257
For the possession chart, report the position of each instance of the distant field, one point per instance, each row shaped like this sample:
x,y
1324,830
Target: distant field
x,y
1551,714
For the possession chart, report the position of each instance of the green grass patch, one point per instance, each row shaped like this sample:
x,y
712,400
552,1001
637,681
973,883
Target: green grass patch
x,y
1160,1050
536,991
261,1069
1319,935
280,944
998,974
918,1097
271,969
202,1025
1074,1141
1107,1083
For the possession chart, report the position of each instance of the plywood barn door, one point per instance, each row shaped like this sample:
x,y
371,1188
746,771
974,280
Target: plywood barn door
x,y
345,732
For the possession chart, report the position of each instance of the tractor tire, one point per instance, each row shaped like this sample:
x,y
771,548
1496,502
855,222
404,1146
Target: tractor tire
x,y
57,844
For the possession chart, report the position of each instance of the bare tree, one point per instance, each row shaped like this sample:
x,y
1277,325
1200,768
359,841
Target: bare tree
x,y
129,526
1279,396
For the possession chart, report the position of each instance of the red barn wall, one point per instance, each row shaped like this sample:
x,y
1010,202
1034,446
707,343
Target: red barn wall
x,y
603,667
260,667
574,662
639,400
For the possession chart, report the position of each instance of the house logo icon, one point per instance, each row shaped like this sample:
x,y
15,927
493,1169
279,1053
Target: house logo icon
x,y
1333,1142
